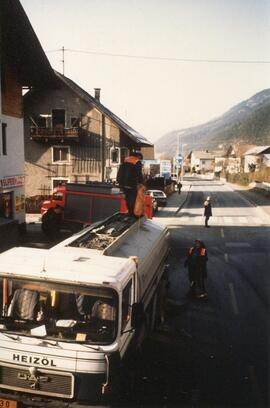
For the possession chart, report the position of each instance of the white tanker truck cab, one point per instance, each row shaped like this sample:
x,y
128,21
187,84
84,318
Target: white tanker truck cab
x,y
72,313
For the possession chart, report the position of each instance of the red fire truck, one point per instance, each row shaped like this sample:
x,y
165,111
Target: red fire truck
x,y
91,202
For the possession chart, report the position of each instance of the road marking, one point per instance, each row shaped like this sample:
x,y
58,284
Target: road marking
x,y
255,387
242,220
233,299
257,220
222,233
226,256
237,244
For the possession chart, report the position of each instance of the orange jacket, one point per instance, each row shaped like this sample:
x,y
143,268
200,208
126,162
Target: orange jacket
x,y
202,251
132,160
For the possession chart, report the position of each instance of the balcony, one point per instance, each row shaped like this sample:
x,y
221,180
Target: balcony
x,y
58,133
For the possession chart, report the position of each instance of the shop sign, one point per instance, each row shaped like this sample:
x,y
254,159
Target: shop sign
x,y
13,181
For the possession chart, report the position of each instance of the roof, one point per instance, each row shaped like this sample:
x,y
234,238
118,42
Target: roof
x,y
203,154
219,153
257,150
78,265
239,149
133,134
21,47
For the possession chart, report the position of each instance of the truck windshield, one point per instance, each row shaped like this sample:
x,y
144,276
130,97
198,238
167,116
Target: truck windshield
x,y
58,312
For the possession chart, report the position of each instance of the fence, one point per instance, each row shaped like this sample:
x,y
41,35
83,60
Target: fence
x,y
33,204
262,175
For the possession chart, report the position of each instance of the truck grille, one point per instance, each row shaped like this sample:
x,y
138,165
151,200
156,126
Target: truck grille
x,y
41,381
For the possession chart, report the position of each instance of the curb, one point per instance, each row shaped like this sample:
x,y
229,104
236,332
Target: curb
x,y
182,204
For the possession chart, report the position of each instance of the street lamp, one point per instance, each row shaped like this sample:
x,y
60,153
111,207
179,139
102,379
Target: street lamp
x,y
182,165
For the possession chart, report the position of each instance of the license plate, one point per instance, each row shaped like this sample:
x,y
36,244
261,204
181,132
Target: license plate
x,y
4,403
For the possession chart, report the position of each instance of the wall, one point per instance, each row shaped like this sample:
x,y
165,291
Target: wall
x,y
12,164
11,95
85,156
249,160
148,153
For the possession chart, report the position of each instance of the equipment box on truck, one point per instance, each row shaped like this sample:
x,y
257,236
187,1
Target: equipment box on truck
x,y
72,313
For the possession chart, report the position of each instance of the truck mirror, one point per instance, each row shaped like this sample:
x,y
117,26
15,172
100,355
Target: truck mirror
x,y
137,315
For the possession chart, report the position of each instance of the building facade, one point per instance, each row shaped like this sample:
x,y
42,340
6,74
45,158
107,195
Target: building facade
x,y
22,64
71,137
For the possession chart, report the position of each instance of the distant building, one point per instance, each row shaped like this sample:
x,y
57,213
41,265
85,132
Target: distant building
x,y
202,161
23,63
70,136
256,157
148,152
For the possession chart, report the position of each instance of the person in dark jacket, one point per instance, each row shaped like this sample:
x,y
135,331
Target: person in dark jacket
x,y
196,262
179,186
51,221
129,177
207,211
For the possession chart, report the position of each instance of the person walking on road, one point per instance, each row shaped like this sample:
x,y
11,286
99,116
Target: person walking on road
x,y
179,186
129,178
207,211
196,262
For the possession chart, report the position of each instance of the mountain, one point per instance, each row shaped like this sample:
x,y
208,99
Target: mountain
x,y
247,122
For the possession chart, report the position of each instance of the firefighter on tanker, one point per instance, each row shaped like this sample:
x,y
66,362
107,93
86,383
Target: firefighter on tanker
x,y
130,179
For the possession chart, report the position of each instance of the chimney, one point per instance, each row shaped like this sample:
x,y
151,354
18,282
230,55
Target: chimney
x,y
97,94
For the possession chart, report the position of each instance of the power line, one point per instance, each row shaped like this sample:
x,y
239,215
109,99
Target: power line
x,y
158,58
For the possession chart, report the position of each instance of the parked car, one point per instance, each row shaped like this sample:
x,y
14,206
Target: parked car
x,y
159,196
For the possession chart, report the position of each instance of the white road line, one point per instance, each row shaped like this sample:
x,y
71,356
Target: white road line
x,y
257,220
233,299
222,233
226,257
237,244
228,220
242,220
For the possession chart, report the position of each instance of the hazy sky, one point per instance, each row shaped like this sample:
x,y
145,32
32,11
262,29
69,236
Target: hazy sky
x,y
157,96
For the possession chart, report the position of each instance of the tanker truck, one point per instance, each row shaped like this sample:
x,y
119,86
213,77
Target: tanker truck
x,y
73,313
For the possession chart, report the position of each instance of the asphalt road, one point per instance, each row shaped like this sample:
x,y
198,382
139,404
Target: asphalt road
x,y
214,352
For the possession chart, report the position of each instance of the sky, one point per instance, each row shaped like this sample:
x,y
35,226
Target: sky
x,y
156,95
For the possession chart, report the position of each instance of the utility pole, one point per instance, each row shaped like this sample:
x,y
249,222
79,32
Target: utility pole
x,y
63,60
103,148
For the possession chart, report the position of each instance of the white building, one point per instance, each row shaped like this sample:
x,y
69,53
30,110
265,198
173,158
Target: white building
x,y
202,161
257,156
23,64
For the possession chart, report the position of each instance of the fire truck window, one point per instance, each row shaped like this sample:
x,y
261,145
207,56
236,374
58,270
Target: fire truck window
x,y
126,305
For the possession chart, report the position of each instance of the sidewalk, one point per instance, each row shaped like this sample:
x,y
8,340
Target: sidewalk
x,y
174,202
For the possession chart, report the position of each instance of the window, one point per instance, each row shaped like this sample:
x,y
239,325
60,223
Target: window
x,y
75,122
115,155
58,118
4,139
60,154
3,78
72,313
6,205
126,305
41,122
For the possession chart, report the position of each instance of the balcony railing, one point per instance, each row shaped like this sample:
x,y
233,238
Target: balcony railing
x,y
41,133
